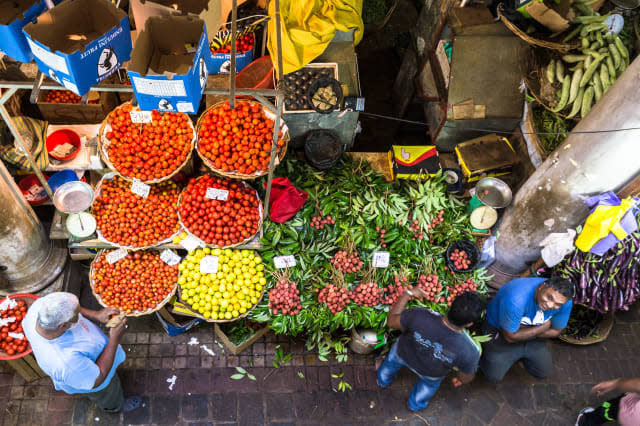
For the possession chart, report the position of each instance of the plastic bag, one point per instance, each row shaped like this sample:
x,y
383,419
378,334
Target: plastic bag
x,y
556,246
286,200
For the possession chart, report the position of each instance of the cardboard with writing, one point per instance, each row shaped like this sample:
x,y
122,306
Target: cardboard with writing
x,y
165,71
554,16
79,43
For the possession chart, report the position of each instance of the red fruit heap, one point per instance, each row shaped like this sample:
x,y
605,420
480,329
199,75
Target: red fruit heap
x,y
382,232
415,228
217,222
64,97
431,286
367,294
318,222
395,290
335,298
12,313
284,298
138,281
347,263
243,44
460,288
127,219
148,151
237,139
460,259
436,220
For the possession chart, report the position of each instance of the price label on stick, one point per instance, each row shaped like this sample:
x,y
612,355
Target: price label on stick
x,y
169,257
190,243
140,116
209,265
380,259
139,188
217,194
284,261
114,256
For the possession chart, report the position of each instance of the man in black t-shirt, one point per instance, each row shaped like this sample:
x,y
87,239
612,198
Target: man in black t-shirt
x,y
431,345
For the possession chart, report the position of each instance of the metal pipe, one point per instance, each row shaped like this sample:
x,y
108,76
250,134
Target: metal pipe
x,y
232,71
585,164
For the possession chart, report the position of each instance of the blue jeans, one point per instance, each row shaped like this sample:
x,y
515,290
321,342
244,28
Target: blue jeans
x,y
423,390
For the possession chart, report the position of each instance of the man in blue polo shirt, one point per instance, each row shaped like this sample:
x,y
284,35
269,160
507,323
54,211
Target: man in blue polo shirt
x,y
524,313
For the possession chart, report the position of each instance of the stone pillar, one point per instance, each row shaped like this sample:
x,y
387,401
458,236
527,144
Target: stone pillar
x,y
585,164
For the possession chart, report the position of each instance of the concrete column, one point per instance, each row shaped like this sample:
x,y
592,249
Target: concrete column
x,y
28,259
585,164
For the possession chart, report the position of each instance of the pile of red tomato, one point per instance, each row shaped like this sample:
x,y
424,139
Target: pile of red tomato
x,y
237,140
137,282
243,44
148,151
64,97
127,219
9,344
217,222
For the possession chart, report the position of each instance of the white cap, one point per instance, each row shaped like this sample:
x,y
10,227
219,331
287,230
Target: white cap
x,y
56,309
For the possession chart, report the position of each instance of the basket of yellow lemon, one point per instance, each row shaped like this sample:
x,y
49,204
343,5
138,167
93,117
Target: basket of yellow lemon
x,y
221,285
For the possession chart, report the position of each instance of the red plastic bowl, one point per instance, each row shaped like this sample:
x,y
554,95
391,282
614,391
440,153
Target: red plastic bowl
x,y
257,75
29,299
60,137
27,182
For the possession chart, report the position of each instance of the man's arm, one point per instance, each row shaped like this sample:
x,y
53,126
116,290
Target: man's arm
x,y
101,316
526,332
621,385
393,320
462,379
105,360
551,333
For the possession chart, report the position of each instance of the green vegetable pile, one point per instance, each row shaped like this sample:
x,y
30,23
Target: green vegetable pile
x,y
585,76
547,122
583,323
362,204
239,331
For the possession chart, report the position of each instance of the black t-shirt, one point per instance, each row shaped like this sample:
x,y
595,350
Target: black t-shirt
x,y
431,348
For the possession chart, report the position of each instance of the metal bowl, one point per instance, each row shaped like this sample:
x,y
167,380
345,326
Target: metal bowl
x,y
493,192
73,197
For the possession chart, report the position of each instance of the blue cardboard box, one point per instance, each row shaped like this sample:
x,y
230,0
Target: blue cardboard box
x,y
171,325
79,43
168,69
13,18
221,62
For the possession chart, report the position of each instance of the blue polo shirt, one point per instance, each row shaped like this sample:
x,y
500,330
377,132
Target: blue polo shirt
x,y
515,305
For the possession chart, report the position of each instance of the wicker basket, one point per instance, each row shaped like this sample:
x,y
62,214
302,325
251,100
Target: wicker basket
x,y
134,313
536,39
198,315
101,237
246,240
235,175
103,145
604,328
28,299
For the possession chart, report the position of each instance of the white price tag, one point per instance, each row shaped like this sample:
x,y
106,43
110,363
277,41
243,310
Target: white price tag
x,y
380,259
139,188
6,321
114,256
217,194
169,257
190,243
95,163
141,116
284,261
17,336
209,265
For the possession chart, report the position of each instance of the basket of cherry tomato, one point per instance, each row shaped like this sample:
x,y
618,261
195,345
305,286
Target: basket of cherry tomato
x,y
13,343
65,97
138,284
243,44
221,212
149,151
236,142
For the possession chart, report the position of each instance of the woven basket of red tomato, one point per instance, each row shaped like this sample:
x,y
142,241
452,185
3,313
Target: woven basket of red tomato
x,y
128,220
243,44
13,343
237,142
66,97
152,149
138,284
221,212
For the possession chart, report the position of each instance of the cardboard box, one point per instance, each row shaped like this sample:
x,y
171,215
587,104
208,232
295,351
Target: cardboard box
x,y
171,325
79,43
489,155
168,69
221,62
555,16
242,346
212,12
13,17
56,113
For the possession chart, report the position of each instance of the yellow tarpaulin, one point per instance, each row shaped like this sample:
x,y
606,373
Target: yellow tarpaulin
x,y
308,26
603,220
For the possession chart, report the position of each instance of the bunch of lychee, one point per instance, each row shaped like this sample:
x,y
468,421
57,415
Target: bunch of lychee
x,y
335,298
284,298
462,287
381,232
345,262
319,222
431,286
395,290
367,294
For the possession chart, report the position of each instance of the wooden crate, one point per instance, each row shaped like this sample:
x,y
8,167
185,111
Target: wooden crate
x,y
244,345
27,368
56,113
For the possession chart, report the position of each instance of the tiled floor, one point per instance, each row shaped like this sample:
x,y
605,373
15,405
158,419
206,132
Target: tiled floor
x,y
302,391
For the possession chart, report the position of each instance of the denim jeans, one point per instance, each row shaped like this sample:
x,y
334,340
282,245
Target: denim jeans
x,y
111,398
423,390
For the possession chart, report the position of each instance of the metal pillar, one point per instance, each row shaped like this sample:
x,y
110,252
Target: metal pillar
x,y
28,259
585,164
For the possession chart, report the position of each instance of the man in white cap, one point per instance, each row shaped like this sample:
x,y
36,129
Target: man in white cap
x,y
75,353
